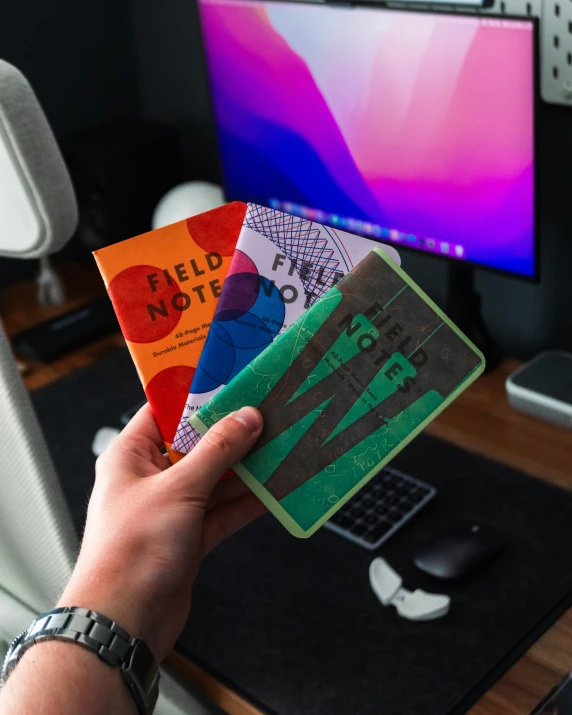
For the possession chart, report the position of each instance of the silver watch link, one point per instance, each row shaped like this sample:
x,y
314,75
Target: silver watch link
x,y
102,636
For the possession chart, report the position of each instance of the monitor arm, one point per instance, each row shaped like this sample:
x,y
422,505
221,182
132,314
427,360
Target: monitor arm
x,y
463,306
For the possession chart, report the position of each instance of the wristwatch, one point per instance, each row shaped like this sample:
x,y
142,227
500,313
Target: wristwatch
x,y
99,634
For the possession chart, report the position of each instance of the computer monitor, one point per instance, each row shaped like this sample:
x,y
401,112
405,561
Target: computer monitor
x,y
416,128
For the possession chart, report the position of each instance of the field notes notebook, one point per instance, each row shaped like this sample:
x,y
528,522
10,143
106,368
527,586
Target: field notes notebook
x,y
344,389
164,286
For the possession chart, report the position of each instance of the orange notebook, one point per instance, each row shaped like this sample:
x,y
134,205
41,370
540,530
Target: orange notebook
x,y
164,286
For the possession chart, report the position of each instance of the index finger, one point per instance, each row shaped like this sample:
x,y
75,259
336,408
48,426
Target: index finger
x,y
142,426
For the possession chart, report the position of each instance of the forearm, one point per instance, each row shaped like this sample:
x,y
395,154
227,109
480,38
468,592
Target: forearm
x,y
55,678
148,526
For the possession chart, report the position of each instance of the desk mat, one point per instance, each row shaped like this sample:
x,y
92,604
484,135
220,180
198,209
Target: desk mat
x,y
293,624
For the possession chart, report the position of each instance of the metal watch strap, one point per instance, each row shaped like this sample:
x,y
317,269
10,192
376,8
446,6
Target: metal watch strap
x,y
102,636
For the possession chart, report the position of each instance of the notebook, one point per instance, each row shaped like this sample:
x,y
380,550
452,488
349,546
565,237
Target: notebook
x,y
164,286
343,389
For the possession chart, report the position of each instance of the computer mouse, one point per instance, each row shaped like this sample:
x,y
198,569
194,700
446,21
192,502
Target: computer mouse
x,y
459,549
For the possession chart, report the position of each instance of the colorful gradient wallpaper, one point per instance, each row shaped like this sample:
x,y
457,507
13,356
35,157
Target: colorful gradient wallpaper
x,y
417,122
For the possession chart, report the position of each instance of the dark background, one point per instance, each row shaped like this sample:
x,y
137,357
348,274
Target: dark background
x,y
97,62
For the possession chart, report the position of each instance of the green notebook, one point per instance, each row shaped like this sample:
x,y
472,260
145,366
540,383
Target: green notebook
x,y
343,390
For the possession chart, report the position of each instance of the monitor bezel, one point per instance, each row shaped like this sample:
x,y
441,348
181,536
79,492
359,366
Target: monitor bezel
x,y
533,21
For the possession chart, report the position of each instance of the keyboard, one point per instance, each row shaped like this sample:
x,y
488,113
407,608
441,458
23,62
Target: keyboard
x,y
382,507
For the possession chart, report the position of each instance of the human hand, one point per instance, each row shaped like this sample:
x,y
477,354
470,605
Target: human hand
x,y
149,524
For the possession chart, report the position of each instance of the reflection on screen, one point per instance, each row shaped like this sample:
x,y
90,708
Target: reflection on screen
x,y
406,126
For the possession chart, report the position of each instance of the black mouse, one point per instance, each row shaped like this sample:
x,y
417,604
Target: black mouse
x,y
459,549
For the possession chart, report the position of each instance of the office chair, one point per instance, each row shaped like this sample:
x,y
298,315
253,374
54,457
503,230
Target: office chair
x,y
38,544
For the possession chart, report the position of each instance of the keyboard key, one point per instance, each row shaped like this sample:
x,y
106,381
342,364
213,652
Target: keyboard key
x,y
406,506
359,529
416,497
340,520
356,512
381,509
368,503
380,530
370,519
393,516
392,500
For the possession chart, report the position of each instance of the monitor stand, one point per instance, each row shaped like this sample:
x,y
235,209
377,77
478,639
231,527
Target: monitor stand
x,y
463,306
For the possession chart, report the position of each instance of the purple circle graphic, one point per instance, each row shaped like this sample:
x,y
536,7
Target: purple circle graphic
x,y
239,295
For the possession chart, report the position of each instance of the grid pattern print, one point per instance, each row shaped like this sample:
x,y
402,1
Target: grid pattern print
x,y
186,438
300,240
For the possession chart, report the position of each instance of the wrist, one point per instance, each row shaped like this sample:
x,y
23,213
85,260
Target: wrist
x,y
53,677
113,599
102,637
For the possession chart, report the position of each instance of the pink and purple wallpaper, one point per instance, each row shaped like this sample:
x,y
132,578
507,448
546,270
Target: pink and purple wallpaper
x,y
418,122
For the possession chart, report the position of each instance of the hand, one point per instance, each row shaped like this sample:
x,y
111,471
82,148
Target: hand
x,y
149,524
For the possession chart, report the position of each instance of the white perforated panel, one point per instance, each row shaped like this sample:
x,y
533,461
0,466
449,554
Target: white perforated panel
x,y
556,48
524,8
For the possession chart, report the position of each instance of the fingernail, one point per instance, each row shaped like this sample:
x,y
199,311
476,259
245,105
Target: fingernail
x,y
249,417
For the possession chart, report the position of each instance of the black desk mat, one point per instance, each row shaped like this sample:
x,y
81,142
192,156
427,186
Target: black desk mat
x,y
294,625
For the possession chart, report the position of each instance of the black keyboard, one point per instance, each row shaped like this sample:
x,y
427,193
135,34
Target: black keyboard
x,y
378,510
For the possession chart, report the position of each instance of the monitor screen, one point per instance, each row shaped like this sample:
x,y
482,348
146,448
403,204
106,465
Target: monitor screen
x,y
410,127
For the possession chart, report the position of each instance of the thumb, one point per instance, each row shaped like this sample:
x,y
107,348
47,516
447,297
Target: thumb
x,y
223,445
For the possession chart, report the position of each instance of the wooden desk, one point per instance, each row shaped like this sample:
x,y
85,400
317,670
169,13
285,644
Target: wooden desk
x,y
480,421
19,310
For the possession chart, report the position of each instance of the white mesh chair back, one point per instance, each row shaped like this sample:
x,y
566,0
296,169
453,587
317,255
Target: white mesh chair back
x,y
37,538
38,543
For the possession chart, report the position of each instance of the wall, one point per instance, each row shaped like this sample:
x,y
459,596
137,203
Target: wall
x,y
173,86
80,60
78,57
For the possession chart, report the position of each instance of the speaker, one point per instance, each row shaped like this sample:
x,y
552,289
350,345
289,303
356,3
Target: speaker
x,y
120,173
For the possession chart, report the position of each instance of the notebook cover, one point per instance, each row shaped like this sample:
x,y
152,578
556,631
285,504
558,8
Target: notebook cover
x,y
281,266
164,286
343,390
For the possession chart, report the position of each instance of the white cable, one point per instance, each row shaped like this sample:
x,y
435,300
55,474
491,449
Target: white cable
x,y
50,288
